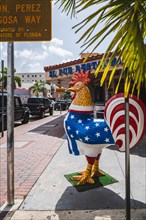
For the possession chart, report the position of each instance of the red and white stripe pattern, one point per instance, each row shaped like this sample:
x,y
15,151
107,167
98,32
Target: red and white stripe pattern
x,y
115,116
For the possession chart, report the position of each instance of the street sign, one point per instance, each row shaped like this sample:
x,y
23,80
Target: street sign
x,y
25,20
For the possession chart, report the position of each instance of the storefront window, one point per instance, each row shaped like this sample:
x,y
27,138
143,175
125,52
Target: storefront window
x,y
99,94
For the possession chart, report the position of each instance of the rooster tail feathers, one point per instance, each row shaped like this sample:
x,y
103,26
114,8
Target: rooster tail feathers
x,y
115,116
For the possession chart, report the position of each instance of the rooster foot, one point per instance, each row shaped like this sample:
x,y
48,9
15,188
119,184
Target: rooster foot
x,y
82,172
83,179
78,177
97,173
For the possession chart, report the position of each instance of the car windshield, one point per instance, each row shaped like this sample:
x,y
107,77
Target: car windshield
x,y
35,100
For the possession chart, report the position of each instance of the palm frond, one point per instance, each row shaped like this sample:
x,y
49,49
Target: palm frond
x,y
125,18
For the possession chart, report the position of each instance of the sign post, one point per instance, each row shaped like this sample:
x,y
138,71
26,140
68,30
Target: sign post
x,y
127,160
2,71
10,125
27,20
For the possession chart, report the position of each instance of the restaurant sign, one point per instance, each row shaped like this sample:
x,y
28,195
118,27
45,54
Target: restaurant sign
x,y
25,20
84,66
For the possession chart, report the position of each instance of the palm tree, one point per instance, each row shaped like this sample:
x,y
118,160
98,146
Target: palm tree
x,y
43,89
126,19
17,79
38,87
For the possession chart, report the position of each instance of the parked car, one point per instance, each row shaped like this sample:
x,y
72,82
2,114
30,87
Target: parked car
x,y
21,113
68,103
60,105
39,106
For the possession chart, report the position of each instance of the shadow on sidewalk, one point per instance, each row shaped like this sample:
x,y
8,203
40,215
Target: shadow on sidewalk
x,y
139,149
103,198
53,128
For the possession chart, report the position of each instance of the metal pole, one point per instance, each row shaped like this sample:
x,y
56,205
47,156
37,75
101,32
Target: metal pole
x,y
10,124
127,159
60,97
2,66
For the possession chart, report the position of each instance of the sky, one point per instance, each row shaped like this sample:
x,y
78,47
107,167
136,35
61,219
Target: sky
x,y
33,56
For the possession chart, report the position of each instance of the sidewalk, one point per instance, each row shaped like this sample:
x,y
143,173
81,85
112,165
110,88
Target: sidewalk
x,y
54,198
33,150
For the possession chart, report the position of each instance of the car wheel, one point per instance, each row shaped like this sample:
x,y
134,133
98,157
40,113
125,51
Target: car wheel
x,y
25,119
42,115
51,111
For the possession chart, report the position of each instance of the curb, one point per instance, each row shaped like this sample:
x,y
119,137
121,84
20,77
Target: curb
x,y
115,214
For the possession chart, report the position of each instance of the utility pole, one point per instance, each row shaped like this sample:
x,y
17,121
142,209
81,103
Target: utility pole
x,y
10,124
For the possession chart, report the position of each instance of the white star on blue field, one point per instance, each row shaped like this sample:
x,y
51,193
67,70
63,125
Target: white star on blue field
x,y
85,128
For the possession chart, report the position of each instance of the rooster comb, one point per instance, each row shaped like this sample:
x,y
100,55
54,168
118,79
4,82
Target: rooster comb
x,y
81,76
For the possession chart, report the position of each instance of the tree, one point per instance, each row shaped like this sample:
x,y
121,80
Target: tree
x,y
38,87
17,79
43,88
127,20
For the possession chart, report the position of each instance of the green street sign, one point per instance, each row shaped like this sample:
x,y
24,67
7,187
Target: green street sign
x,y
25,20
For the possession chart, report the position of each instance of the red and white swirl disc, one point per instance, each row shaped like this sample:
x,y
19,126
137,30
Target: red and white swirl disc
x,y
114,113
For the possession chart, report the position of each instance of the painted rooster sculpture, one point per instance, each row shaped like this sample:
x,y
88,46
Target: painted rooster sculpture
x,y
87,135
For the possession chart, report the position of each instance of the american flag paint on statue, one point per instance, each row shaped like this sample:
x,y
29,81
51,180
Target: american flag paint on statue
x,y
87,135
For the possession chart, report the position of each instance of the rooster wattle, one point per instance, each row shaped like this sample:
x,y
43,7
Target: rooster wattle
x,y
86,135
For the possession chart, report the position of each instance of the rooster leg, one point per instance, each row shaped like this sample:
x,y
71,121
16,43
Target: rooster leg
x,y
86,177
90,160
96,172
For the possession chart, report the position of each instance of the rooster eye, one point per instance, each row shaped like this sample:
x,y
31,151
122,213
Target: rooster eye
x,y
78,84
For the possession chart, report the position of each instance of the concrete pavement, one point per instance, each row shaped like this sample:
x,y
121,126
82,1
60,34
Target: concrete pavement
x,y
34,146
54,198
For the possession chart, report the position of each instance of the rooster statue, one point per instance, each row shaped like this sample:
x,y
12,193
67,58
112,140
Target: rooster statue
x,y
87,135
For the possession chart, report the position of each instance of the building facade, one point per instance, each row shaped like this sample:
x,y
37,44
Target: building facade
x,y
31,77
63,73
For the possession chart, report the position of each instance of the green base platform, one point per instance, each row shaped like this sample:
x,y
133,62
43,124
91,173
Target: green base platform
x,y
99,181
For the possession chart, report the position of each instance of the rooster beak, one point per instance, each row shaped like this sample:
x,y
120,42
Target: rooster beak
x,y
72,89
